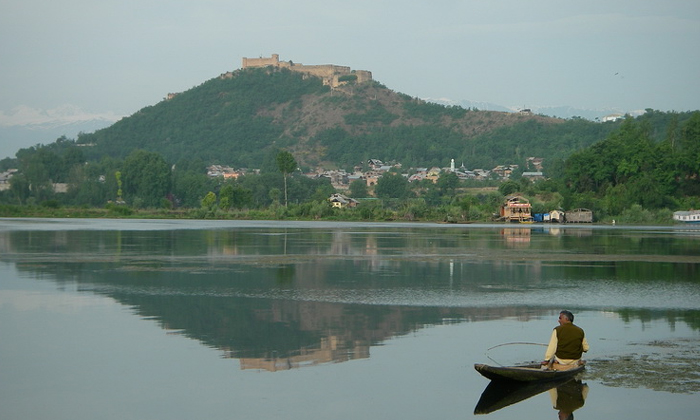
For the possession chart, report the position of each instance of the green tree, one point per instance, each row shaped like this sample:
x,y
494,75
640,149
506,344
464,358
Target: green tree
x,y
146,178
209,201
690,155
20,187
226,196
118,177
286,164
275,194
358,189
392,185
509,187
447,183
190,186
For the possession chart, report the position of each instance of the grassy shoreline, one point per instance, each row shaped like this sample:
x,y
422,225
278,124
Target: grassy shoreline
x,y
636,215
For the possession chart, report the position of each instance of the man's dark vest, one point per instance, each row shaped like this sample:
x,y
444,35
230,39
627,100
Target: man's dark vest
x,y
570,341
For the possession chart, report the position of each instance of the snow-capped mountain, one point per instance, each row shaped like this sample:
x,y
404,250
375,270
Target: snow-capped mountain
x,y
24,126
552,111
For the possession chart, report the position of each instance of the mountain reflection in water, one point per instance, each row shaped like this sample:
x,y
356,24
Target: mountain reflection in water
x,y
278,298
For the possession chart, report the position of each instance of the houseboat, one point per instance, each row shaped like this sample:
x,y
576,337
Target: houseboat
x,y
516,209
690,216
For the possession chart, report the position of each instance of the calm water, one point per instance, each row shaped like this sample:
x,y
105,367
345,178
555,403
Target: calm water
x,y
260,320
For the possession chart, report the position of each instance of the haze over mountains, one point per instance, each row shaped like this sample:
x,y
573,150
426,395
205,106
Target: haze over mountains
x,y
551,111
24,126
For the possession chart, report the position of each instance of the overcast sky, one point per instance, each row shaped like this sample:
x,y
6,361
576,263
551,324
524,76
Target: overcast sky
x,y
122,55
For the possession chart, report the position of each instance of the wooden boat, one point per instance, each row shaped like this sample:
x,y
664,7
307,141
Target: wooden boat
x,y
526,373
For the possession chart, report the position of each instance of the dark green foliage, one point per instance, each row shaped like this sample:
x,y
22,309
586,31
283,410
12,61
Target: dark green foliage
x,y
219,118
146,177
412,146
233,196
391,185
447,183
630,168
119,210
509,187
225,120
8,163
286,162
512,144
358,189
432,112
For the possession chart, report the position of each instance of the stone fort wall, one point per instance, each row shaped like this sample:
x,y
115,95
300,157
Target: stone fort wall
x,y
329,73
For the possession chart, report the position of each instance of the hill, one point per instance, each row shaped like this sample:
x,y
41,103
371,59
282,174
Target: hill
x,y
238,117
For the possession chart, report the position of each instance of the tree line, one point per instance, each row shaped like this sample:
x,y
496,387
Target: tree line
x,y
631,172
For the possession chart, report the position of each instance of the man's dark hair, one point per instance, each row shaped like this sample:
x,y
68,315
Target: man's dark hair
x,y
568,315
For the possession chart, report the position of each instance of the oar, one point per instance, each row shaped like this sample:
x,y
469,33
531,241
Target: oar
x,y
510,344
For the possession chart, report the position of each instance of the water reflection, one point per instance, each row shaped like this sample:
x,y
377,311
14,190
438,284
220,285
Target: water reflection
x,y
516,237
332,349
566,395
280,298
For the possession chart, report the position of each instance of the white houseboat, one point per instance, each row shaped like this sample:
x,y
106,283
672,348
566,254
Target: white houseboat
x,y
691,216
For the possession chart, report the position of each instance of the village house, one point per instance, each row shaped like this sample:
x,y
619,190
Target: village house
x,y
557,216
5,179
433,174
504,171
419,175
372,177
533,176
341,201
535,163
481,174
225,172
339,178
375,164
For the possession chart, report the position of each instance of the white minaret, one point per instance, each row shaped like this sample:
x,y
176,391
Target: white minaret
x,y
452,165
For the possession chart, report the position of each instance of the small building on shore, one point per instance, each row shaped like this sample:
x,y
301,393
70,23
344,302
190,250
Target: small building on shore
x,y
341,201
516,209
580,215
557,216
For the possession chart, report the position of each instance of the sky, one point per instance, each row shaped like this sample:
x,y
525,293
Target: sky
x,y
114,57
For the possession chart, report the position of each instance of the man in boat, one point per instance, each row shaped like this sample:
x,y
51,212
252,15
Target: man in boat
x,y
567,344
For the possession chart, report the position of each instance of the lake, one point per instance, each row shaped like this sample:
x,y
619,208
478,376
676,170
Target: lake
x,y
171,319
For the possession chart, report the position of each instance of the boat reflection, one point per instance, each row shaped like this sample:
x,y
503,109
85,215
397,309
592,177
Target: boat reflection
x,y
567,395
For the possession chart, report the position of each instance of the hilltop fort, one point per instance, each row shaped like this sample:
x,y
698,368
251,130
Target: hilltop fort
x,y
331,74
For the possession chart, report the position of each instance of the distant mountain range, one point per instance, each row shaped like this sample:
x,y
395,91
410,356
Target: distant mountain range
x,y
24,126
551,111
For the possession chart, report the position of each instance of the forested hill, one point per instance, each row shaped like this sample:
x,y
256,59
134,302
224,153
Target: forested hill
x,y
238,118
